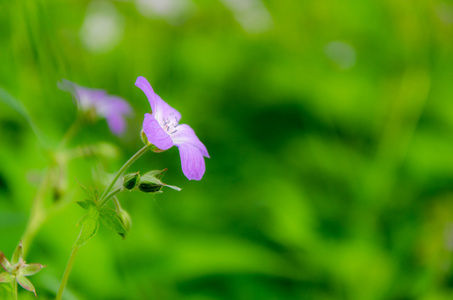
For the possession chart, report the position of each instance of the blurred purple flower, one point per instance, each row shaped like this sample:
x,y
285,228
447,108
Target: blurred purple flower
x,y
113,108
163,131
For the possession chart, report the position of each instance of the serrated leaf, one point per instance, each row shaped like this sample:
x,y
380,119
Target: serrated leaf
x,y
111,220
96,195
86,204
90,193
86,191
90,224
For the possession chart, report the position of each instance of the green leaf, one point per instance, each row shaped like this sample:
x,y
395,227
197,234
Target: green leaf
x,y
86,204
90,193
111,220
90,226
96,195
87,192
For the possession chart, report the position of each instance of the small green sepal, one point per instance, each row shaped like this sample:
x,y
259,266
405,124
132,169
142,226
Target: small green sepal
x,y
151,182
26,284
5,262
131,180
31,269
144,137
17,255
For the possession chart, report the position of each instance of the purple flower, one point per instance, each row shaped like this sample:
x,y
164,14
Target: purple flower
x,y
113,108
163,131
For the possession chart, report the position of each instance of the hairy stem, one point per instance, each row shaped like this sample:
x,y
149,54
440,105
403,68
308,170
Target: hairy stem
x,y
110,195
67,272
121,171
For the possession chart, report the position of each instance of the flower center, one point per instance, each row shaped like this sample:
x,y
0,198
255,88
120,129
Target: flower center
x,y
170,124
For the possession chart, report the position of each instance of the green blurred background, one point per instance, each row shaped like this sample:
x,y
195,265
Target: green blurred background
x,y
329,125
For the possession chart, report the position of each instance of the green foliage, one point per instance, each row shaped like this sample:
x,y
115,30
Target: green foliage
x,y
90,221
86,204
90,225
112,221
330,135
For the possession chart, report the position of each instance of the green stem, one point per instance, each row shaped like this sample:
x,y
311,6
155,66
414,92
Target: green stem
x,y
67,271
110,195
121,171
38,213
70,133
15,288
117,204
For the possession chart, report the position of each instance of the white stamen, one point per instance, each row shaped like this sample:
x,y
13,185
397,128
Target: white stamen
x,y
170,124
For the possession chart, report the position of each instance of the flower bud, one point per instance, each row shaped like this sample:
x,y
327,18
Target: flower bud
x,y
131,180
126,220
149,187
150,182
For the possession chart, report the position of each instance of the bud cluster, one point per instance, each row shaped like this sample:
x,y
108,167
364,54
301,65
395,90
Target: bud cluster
x,y
150,182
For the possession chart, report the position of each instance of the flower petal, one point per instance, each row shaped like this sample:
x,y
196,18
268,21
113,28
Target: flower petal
x,y
160,109
186,135
6,277
26,284
5,262
155,134
192,161
113,105
86,98
31,269
116,123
